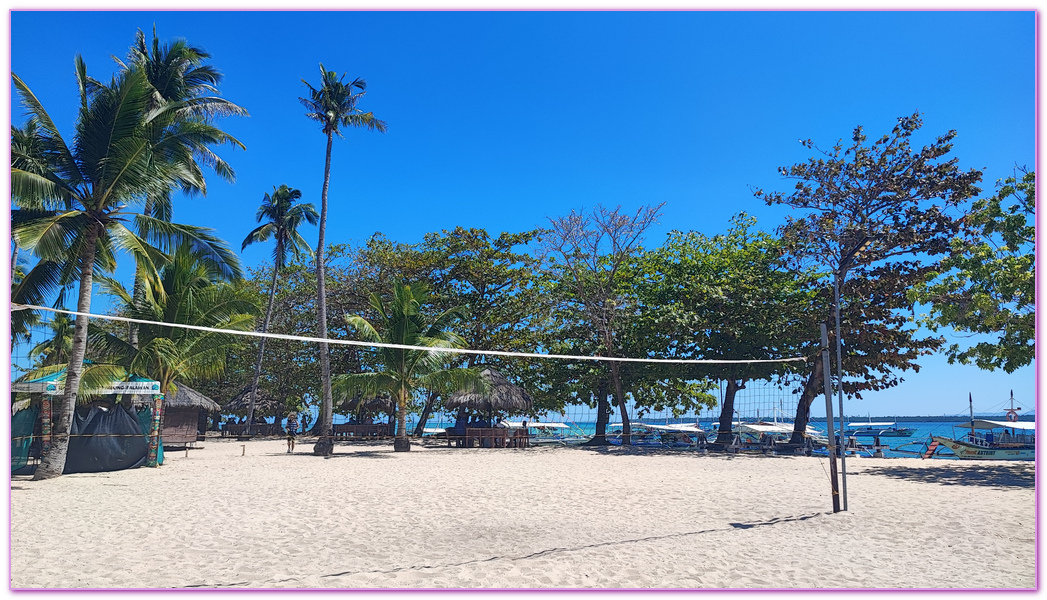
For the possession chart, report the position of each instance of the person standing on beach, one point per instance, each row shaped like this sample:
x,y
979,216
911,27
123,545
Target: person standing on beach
x,y
292,431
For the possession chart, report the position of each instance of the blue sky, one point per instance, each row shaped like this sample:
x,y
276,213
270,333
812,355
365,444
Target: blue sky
x,y
500,120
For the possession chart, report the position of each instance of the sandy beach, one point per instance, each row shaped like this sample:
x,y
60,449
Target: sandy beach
x,y
248,515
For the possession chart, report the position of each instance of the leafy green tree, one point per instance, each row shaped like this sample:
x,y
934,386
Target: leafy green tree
x,y
333,105
987,284
282,219
894,201
76,205
404,371
728,297
491,279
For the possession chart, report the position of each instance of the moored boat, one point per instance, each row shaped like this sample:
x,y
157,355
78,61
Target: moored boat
x,y
990,440
886,429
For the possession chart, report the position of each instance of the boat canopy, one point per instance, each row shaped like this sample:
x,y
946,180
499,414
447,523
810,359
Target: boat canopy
x,y
536,424
766,427
986,424
873,425
685,427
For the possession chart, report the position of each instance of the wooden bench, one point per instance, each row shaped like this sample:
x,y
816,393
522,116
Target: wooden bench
x,y
347,430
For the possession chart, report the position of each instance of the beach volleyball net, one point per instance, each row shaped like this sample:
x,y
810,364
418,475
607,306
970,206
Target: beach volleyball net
x,y
563,410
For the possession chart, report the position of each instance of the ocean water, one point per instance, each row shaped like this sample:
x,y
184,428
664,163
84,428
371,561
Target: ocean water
x,y
898,447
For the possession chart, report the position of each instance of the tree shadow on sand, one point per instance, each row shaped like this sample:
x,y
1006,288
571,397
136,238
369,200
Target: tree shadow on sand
x,y
1001,475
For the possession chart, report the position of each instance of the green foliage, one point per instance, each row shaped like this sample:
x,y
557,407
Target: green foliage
x,y
987,283
401,372
190,292
280,218
897,197
728,297
333,104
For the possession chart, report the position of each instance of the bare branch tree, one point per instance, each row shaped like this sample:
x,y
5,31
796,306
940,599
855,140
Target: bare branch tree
x,y
587,253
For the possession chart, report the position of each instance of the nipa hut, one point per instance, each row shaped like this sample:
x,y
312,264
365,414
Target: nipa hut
x,y
185,416
264,404
501,396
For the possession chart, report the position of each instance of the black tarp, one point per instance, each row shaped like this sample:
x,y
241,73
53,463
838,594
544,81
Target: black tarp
x,y
22,437
105,439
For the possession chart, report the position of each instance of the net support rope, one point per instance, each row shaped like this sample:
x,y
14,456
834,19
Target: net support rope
x,y
298,338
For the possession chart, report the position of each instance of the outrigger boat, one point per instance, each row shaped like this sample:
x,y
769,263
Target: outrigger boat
x,y
550,432
998,440
683,435
870,429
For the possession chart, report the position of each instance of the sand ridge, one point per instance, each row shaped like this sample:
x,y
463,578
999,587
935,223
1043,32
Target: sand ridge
x,y
543,517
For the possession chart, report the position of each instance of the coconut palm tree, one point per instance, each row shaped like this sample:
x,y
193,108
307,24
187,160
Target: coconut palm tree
x,y
182,82
76,207
333,105
191,289
282,220
404,371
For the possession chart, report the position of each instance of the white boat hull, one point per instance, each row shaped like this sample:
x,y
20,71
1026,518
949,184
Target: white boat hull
x,y
975,452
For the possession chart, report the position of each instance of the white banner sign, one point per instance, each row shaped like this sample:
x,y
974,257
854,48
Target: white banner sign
x,y
119,387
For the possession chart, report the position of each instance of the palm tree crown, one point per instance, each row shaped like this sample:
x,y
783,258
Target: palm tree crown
x,y
280,218
333,104
403,371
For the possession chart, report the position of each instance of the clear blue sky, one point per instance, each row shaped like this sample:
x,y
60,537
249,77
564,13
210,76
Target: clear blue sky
x,y
500,120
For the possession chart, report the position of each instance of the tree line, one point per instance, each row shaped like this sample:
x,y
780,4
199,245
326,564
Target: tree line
x,y
897,228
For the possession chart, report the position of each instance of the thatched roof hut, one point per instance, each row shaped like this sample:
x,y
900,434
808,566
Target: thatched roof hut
x,y
501,396
185,415
382,404
264,402
186,397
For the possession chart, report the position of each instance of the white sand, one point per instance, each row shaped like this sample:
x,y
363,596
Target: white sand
x,y
522,518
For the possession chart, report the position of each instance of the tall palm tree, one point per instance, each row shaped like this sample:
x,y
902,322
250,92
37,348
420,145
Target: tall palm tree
x,y
333,105
282,220
190,290
180,79
404,371
76,208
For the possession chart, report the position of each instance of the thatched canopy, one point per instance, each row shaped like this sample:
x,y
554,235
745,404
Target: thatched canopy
x,y
380,404
264,403
502,396
186,397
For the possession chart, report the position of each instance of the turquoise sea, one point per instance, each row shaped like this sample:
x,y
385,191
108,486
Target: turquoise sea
x,y
898,447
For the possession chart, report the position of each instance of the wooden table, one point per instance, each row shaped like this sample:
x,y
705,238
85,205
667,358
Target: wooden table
x,y
257,429
489,437
347,430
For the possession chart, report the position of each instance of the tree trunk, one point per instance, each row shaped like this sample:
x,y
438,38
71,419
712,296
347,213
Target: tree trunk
x,y
52,463
811,389
14,260
603,412
724,433
324,445
401,415
261,352
619,396
429,402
